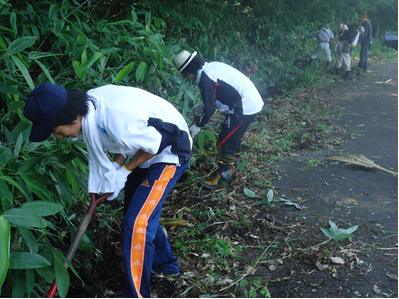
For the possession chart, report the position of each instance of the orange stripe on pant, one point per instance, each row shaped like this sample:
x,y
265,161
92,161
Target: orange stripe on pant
x,y
140,226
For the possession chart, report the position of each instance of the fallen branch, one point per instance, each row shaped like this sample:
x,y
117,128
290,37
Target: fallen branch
x,y
360,160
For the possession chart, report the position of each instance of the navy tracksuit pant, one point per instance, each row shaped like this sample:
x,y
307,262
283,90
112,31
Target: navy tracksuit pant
x,y
232,131
145,245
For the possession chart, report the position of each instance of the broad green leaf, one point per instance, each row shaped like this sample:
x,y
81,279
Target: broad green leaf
x,y
30,281
6,29
140,72
13,22
201,140
15,105
249,193
265,292
120,23
45,70
341,236
109,50
96,56
29,239
63,184
4,248
46,273
270,195
38,188
243,283
61,276
11,181
24,71
334,227
24,217
124,72
252,293
329,234
3,158
29,164
66,158
20,128
211,136
26,260
18,145
8,89
18,285
7,195
83,58
82,40
33,55
349,230
77,67
76,176
241,165
148,18
21,44
42,208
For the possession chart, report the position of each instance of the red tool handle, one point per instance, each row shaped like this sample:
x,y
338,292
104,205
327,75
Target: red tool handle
x,y
250,70
78,237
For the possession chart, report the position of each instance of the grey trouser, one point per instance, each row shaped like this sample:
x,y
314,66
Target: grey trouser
x,y
342,56
322,47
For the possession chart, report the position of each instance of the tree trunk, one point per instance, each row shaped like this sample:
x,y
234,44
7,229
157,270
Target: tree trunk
x,y
377,31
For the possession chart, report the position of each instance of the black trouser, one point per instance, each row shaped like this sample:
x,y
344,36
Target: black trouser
x,y
232,131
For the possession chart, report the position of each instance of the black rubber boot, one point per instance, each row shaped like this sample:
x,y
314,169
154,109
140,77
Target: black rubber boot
x,y
348,76
337,71
223,174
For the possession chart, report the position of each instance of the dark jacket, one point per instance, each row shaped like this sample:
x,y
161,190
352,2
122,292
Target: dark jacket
x,y
349,35
366,37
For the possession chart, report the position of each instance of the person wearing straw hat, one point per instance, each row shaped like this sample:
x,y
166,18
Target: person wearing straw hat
x,y
130,123
365,41
227,89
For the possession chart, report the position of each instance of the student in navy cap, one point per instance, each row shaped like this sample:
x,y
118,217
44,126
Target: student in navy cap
x,y
131,123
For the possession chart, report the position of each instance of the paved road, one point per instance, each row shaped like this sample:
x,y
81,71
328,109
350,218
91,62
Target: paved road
x,y
354,195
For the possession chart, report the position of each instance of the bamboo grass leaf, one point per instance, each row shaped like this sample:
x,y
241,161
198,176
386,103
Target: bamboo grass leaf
x,y
21,44
5,229
45,70
24,217
24,71
8,89
124,72
140,72
61,276
26,260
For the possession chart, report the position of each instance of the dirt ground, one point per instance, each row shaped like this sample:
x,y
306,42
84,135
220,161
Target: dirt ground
x,y
283,246
350,195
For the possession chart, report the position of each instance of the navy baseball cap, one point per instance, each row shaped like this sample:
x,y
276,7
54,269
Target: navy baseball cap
x,y
41,107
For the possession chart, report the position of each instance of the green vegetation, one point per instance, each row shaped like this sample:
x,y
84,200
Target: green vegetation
x,y
86,44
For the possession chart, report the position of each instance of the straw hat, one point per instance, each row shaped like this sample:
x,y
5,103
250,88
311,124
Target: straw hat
x,y
183,59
